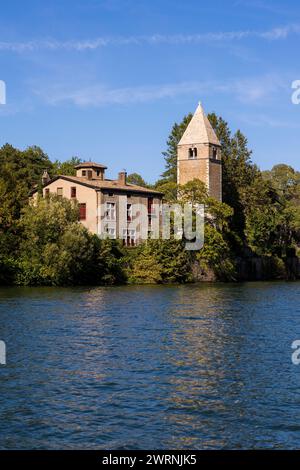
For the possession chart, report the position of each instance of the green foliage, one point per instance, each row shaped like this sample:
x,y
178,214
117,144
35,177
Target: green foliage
x,y
193,192
169,190
174,260
135,178
57,250
20,171
27,165
160,261
143,267
238,171
65,168
216,254
272,212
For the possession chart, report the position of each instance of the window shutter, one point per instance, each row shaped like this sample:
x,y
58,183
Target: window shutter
x,y
82,211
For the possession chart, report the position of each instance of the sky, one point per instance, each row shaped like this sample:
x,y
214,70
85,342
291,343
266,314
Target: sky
x,y
105,80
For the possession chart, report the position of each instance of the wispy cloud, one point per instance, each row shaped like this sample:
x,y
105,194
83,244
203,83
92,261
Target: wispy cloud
x,y
266,6
99,95
246,90
263,120
274,34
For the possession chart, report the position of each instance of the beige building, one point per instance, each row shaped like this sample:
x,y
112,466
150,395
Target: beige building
x,y
112,208
118,209
199,155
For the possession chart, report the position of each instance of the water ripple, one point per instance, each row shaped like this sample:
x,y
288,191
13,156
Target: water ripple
x,y
205,366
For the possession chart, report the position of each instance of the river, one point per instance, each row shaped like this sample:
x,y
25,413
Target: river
x,y
150,367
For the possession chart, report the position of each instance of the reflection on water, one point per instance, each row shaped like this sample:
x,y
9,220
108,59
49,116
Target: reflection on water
x,y
205,366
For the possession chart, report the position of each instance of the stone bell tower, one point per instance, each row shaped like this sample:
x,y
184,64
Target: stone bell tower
x,y
199,155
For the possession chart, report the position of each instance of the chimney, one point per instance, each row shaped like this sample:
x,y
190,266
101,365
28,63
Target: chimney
x,y
45,178
122,177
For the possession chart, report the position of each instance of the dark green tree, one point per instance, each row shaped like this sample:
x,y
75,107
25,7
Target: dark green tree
x,y
135,178
238,172
67,167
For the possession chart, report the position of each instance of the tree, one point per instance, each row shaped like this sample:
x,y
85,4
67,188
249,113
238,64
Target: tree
x,y
272,219
216,254
65,168
169,190
159,261
283,178
193,192
145,268
170,155
135,178
27,165
238,171
20,171
56,249
174,260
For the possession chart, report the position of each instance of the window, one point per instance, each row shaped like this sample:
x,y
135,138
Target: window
x,y
110,194
129,237
83,173
193,153
90,174
110,212
129,212
82,211
214,153
59,192
73,191
47,192
111,232
150,205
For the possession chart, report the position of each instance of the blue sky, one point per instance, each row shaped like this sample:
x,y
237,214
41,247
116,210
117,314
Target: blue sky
x,y
106,79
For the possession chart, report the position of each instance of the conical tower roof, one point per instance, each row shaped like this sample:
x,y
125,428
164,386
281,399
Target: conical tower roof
x,y
199,130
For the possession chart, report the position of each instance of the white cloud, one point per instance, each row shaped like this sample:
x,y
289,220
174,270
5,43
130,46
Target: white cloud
x,y
155,39
263,120
245,90
99,95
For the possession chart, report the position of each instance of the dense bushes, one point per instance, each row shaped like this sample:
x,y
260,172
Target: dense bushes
x,y
159,261
55,249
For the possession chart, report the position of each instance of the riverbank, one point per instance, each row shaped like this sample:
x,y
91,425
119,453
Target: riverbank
x,y
264,268
132,270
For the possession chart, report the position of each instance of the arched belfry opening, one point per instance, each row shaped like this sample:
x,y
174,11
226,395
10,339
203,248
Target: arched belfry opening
x,y
192,152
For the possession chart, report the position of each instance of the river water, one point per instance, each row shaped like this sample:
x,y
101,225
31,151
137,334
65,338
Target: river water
x,y
196,367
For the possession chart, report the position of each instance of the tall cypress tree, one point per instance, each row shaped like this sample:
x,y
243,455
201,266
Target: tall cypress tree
x,y
238,171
